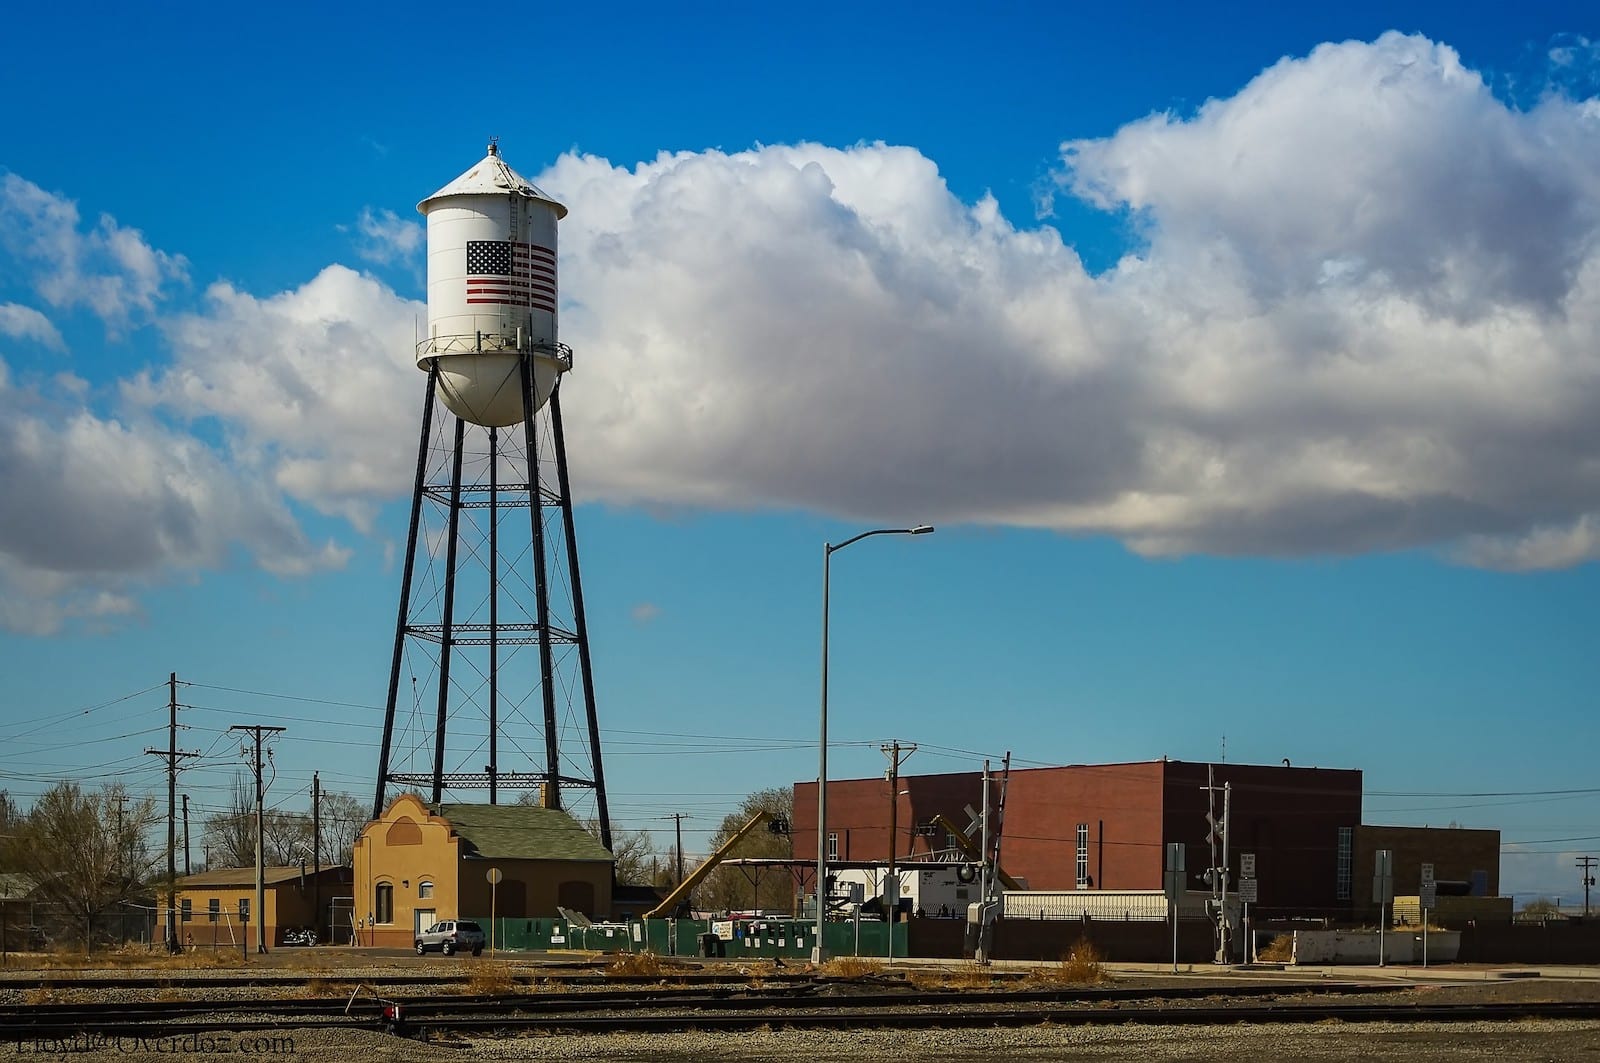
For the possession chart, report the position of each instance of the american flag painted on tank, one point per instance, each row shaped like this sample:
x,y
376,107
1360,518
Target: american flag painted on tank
x,y
509,273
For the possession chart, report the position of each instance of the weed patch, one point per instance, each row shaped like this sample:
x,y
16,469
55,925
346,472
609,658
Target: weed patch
x,y
851,967
1084,965
636,964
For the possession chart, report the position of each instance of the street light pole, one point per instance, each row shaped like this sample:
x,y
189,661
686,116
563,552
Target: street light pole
x,y
818,953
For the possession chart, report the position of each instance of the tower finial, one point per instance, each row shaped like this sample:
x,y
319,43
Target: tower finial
x,y
494,145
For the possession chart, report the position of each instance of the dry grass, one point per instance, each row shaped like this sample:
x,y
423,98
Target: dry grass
x,y
636,964
1084,965
1279,950
967,976
129,957
490,978
309,960
323,987
851,967
57,996
549,985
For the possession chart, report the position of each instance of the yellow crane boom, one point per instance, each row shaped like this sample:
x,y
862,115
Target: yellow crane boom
x,y
695,877
974,851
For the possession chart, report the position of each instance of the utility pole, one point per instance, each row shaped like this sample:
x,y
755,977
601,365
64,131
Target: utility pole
x,y
677,824
257,731
1586,866
187,869
891,879
316,854
172,755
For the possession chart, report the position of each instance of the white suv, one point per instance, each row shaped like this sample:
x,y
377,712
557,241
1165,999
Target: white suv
x,y
451,935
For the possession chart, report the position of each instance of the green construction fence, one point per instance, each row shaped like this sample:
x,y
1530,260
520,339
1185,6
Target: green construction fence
x,y
768,938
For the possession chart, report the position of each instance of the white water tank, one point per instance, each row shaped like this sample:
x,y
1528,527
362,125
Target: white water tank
x,y
492,292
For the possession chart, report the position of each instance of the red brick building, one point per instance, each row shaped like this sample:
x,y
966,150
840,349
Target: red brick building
x,y
1105,826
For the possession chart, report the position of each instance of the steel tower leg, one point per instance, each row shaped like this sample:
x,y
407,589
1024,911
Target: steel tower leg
x,y
493,767
580,624
552,789
447,635
405,589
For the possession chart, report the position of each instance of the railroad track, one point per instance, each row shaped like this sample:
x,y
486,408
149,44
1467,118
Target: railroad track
x,y
669,1010
199,977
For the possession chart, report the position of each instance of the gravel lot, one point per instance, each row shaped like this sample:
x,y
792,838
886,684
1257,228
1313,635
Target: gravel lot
x,y
1413,1043
1420,1043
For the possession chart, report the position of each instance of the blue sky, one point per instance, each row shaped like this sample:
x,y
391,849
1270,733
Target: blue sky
x,y
1247,365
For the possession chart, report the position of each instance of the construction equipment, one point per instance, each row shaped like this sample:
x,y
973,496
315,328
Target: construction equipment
x,y
687,886
972,850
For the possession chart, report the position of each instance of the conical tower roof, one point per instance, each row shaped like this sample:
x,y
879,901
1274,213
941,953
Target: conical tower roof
x,y
492,177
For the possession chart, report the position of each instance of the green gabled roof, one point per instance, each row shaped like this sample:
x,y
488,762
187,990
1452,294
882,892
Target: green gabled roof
x,y
521,832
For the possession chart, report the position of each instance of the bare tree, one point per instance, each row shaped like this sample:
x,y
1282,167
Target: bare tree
x,y
86,851
232,834
12,823
735,888
286,838
343,817
632,851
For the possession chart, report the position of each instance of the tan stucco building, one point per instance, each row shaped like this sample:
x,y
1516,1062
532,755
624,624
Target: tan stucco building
x,y
415,865
216,908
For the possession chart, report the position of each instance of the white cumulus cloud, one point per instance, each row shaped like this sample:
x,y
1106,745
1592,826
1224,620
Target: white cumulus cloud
x,y
385,238
1364,315
1364,319
24,322
96,507
109,269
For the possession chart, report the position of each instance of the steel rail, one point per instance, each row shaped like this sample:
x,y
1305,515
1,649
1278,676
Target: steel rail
x,y
732,998
822,1017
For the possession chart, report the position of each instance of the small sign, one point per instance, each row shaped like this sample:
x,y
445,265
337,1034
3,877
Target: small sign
x,y
1428,896
1247,890
1172,883
1247,865
1427,872
1383,876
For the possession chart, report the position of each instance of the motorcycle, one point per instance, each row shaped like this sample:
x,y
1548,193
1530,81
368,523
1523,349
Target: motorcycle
x,y
300,936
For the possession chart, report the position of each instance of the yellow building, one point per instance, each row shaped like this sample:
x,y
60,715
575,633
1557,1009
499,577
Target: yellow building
x,y
215,908
415,865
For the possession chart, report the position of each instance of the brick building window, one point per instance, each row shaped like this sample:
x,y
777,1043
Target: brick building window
x,y
1083,856
188,910
1342,875
244,909
213,910
833,845
425,890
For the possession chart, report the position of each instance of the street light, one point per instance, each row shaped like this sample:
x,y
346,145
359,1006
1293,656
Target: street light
x,y
828,550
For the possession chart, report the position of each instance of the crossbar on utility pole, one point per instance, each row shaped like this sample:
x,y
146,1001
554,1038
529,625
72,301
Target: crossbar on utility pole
x,y
172,755
257,730
897,755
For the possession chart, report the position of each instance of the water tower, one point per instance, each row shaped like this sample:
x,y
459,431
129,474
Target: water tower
x,y
491,686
